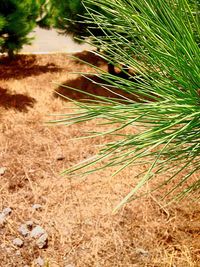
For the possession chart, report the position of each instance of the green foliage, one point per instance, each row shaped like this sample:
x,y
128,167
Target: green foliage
x,y
2,23
71,17
158,41
19,19
67,17
47,14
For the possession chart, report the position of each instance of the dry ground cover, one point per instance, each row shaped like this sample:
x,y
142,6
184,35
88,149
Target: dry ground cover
x,y
76,213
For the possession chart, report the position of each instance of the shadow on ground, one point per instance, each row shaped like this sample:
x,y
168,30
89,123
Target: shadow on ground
x,y
18,102
89,57
23,66
90,84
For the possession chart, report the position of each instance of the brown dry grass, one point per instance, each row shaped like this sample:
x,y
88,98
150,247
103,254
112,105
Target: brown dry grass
x,y
76,213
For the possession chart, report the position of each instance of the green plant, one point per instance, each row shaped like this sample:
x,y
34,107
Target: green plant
x,y
71,17
19,20
67,17
165,58
2,22
47,14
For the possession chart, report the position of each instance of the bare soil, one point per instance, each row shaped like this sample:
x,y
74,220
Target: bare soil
x,y
76,213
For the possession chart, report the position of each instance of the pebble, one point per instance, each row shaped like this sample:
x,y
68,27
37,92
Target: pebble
x,y
37,232
42,241
60,157
142,252
37,207
18,253
7,211
2,170
2,219
23,230
69,265
18,242
39,261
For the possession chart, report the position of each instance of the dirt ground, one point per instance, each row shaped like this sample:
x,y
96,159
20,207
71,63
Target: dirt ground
x,y
76,213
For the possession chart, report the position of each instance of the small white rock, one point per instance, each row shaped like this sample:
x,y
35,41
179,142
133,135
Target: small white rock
x,y
39,261
37,207
60,157
2,219
69,265
7,211
37,232
2,170
18,253
42,241
142,252
18,242
23,230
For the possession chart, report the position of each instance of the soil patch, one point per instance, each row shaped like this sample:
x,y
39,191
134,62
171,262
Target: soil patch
x,y
68,221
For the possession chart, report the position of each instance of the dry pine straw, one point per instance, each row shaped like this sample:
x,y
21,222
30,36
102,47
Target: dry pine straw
x,y
77,213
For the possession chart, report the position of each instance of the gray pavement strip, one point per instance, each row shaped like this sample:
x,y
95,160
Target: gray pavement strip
x,y
49,41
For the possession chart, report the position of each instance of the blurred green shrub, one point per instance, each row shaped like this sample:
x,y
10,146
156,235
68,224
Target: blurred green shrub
x,y
18,19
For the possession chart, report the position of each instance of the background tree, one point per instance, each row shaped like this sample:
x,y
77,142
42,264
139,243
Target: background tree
x,y
46,17
19,20
2,22
70,18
